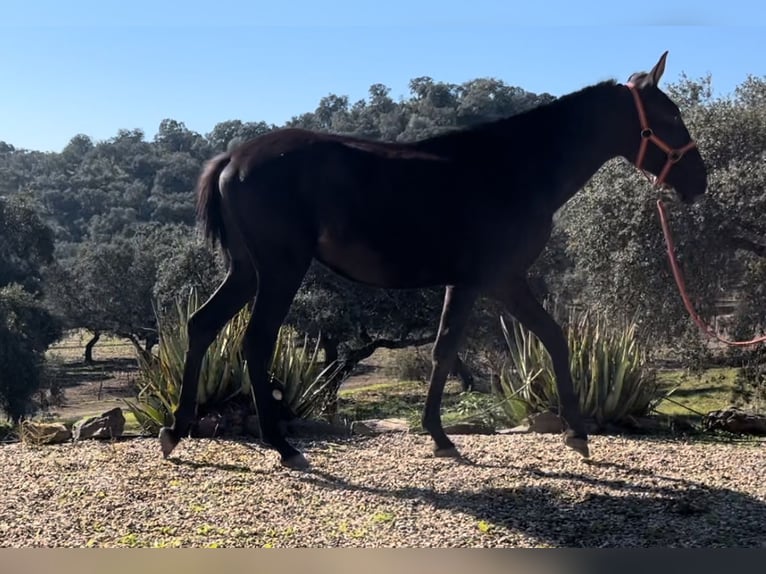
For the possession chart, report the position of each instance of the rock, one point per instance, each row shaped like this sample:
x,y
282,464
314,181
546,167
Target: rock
x,y
520,429
251,426
302,427
106,426
209,426
645,424
469,428
299,427
547,423
736,421
45,433
373,427
592,427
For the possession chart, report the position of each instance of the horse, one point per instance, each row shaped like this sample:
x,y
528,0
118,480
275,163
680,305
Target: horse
x,y
469,210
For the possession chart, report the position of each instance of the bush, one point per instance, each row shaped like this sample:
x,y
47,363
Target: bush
x,y
26,331
306,387
411,364
6,431
749,389
20,375
609,370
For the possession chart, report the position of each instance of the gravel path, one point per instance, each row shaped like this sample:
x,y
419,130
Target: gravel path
x,y
513,490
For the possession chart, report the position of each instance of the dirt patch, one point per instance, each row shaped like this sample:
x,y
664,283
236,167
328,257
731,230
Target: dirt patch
x,y
95,388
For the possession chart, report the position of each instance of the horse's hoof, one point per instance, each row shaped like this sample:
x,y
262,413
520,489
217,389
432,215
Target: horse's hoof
x,y
296,462
450,452
168,441
578,444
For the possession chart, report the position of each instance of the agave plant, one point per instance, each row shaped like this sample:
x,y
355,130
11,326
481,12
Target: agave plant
x,y
609,370
306,387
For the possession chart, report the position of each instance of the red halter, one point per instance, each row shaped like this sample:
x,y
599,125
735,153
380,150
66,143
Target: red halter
x,y
674,155
647,135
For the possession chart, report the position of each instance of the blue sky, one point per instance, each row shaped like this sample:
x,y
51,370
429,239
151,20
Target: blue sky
x,y
95,67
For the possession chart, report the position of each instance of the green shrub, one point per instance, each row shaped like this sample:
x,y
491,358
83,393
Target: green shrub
x,y
6,431
609,371
749,389
309,388
306,387
26,331
478,408
411,364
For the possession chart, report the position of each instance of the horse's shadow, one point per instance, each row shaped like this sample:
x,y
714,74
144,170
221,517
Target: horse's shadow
x,y
661,512
218,466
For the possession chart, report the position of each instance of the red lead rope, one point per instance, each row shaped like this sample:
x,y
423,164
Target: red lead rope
x,y
682,288
673,157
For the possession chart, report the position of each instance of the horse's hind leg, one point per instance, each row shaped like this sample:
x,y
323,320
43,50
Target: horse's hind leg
x,y
237,288
522,304
458,303
277,285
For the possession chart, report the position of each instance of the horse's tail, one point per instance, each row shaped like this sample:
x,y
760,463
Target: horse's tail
x,y
209,208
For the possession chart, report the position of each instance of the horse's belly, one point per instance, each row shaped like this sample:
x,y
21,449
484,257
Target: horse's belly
x,y
396,266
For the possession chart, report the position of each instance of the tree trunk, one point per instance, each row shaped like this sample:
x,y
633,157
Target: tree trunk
x,y
353,357
89,347
146,356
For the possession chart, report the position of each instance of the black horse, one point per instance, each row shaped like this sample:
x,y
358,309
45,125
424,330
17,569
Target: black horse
x,y
470,209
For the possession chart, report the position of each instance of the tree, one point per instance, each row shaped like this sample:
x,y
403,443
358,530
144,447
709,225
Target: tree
x,y
227,134
27,328
26,243
107,288
606,250
615,238
189,265
172,195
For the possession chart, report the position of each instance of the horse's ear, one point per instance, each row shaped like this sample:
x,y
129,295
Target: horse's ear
x,y
658,69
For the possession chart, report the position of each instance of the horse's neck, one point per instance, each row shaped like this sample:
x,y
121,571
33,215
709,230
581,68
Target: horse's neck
x,y
583,132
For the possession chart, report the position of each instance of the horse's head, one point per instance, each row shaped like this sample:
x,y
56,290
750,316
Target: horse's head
x,y
662,144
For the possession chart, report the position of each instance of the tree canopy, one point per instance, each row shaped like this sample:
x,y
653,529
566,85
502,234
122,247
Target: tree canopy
x,y
107,225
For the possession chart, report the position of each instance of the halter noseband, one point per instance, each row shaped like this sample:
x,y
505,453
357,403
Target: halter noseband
x,y
647,134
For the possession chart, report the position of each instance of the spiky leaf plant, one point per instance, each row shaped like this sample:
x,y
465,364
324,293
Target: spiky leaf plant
x,y
296,371
609,370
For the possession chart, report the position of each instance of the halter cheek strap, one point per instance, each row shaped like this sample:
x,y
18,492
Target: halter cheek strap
x,y
674,155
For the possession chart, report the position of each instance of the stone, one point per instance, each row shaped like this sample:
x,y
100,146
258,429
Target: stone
x,y
45,433
305,428
108,425
373,427
519,429
251,426
546,423
736,421
469,428
209,426
298,427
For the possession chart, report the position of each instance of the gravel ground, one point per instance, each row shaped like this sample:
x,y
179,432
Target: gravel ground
x,y
386,491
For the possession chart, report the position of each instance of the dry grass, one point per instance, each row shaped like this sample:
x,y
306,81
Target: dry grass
x,y
513,490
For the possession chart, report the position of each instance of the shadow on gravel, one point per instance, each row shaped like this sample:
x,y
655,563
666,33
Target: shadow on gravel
x,y
661,512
